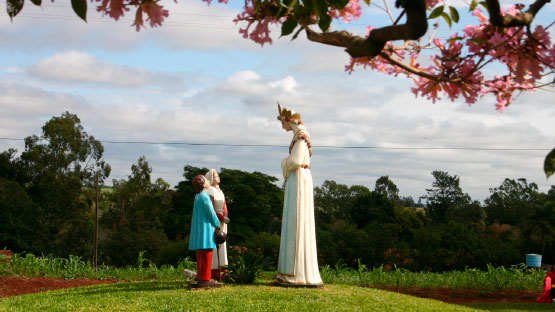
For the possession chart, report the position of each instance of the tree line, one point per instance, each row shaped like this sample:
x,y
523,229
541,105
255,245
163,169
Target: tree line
x,y
47,204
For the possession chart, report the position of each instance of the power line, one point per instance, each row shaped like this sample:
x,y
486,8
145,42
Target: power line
x,y
316,146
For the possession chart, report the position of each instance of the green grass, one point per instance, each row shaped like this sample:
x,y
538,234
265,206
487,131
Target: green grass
x,y
514,278
517,277
177,296
164,289
73,267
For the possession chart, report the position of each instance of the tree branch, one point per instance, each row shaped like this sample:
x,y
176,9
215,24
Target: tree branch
x,y
522,19
416,71
356,46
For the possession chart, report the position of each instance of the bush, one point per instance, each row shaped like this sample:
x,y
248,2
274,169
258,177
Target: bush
x,y
174,252
245,264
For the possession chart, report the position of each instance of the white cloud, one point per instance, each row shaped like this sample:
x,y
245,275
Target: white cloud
x,y
80,67
232,88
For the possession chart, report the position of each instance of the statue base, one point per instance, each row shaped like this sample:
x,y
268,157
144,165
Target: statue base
x,y
290,285
196,285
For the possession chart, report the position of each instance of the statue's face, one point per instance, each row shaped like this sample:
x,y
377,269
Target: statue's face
x,y
286,125
216,178
206,184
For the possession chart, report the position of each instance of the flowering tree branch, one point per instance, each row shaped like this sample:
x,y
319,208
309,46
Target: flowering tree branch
x,y
415,27
521,19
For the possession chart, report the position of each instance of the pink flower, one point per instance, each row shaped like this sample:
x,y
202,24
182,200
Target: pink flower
x,y
114,8
432,3
351,11
210,1
261,22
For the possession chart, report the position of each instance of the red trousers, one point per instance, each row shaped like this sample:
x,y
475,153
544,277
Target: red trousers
x,y
204,264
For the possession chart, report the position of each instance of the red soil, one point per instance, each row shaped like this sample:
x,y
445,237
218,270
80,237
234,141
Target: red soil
x,y
16,285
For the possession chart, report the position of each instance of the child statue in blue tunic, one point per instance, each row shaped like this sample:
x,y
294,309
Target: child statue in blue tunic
x,y
203,225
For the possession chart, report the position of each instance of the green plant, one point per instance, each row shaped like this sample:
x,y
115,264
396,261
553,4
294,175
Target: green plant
x,y
244,266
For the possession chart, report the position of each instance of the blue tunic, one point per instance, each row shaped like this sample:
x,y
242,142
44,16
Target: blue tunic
x,y
203,224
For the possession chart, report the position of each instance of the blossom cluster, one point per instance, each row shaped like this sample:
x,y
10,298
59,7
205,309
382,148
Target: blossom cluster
x,y
351,11
261,29
116,8
456,68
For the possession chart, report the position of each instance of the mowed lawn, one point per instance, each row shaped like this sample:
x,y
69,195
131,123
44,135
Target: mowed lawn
x,y
177,296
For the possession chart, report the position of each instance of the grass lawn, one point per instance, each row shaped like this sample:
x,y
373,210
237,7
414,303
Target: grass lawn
x,y
177,296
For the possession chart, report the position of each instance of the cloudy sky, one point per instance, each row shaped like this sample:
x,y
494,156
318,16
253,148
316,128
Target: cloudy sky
x,y
195,80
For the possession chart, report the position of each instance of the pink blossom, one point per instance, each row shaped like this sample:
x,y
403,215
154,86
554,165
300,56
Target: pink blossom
x,y
432,3
114,8
261,32
210,1
156,13
456,68
351,11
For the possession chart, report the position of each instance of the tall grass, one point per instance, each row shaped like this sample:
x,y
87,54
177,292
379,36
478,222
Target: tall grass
x,y
74,267
517,277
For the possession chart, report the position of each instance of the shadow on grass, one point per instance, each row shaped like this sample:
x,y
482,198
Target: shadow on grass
x,y
511,306
127,287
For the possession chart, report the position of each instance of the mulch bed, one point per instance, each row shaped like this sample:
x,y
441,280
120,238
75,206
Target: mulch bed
x,y
16,285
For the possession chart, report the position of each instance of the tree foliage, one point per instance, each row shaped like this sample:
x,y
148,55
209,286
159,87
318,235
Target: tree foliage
x,y
52,171
46,207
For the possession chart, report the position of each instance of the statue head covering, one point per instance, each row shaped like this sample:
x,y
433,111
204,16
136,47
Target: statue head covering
x,y
210,176
289,115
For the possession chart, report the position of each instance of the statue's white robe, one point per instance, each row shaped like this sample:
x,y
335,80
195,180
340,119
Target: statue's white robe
x,y
298,262
219,202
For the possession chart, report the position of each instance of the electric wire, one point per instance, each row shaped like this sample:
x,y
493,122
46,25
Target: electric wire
x,y
315,146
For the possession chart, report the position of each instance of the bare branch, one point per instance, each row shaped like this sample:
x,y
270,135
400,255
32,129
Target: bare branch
x,y
522,19
388,11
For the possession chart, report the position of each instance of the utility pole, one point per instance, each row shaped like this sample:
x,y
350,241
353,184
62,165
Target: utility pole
x,y
95,256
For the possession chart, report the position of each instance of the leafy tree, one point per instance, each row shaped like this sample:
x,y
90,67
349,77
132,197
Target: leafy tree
x,y
334,201
386,187
178,221
540,228
19,218
11,167
255,204
52,169
447,202
512,202
135,222
372,207
342,242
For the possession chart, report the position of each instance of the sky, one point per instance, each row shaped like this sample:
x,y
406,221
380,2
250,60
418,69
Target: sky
x,y
196,80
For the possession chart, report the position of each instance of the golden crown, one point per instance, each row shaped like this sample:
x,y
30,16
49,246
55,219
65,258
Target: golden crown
x,y
288,115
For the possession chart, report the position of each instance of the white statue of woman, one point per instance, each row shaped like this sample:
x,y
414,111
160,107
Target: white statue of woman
x,y
298,262
220,206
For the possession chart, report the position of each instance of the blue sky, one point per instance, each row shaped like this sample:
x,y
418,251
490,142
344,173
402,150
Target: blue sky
x,y
197,80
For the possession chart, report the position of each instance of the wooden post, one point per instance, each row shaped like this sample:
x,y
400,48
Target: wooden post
x,y
95,256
